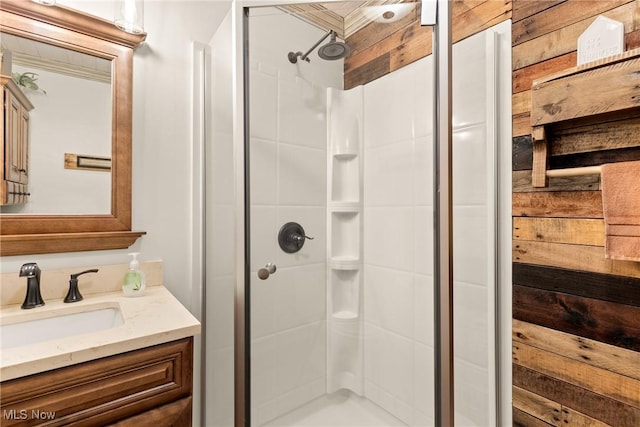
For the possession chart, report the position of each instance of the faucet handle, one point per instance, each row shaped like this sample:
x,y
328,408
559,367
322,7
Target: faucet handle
x,y
33,298
74,293
29,269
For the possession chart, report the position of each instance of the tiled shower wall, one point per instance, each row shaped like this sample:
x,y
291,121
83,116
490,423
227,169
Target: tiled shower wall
x,y
398,242
288,183
398,238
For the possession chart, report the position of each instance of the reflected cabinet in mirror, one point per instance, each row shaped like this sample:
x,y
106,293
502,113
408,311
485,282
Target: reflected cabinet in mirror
x,y
66,78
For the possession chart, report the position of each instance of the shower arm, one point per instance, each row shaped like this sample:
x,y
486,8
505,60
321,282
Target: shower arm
x,y
293,57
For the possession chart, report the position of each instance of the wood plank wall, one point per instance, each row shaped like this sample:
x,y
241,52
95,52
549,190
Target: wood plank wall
x,y
576,326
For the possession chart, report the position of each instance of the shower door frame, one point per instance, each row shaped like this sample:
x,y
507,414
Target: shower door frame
x,y
443,219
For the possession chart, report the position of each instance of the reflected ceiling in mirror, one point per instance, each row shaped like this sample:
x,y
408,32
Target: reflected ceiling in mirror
x,y
71,116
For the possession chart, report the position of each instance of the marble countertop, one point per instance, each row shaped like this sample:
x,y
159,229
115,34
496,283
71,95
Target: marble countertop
x,y
156,317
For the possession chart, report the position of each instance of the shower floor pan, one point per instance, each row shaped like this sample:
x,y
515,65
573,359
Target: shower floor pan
x,y
340,409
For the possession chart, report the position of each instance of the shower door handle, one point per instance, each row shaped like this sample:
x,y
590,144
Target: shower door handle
x,y
266,271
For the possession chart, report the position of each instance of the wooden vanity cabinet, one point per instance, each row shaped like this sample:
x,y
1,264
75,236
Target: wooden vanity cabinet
x,y
14,128
147,387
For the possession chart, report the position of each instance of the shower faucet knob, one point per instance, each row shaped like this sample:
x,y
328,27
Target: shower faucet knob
x,y
291,237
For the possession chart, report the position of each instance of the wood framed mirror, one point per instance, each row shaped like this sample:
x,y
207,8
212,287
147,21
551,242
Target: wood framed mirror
x,y
23,234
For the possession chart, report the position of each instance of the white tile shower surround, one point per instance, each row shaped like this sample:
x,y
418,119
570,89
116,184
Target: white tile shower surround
x,y
288,181
398,240
398,243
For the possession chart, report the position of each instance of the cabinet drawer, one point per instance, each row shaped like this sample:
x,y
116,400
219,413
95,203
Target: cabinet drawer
x,y
103,391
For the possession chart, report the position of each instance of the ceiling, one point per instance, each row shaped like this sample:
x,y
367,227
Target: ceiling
x,y
346,18
31,53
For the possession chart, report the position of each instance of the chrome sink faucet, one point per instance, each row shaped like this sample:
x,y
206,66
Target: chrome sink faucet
x,y
33,298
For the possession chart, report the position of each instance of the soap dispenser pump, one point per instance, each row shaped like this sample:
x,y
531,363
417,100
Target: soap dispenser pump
x,y
134,280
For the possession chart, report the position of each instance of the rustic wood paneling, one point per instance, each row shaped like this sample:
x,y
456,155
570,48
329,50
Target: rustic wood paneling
x,y
521,124
564,40
632,40
600,381
591,90
523,78
521,102
471,17
594,158
606,287
560,16
373,69
525,8
611,323
605,356
575,257
395,40
573,418
562,204
538,406
596,406
576,311
522,419
522,152
522,183
374,33
560,230
412,48
596,137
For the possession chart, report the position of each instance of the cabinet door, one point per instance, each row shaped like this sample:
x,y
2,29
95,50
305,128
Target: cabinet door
x,y
23,146
175,414
103,391
13,160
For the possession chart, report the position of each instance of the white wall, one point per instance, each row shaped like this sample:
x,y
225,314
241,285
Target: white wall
x,y
161,140
288,183
221,221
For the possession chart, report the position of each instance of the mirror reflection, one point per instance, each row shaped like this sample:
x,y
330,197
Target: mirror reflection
x,y
69,128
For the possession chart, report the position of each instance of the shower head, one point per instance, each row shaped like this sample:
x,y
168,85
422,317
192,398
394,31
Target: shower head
x,y
334,49
331,51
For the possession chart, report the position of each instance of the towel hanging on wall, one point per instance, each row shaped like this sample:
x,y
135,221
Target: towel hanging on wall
x,y
621,207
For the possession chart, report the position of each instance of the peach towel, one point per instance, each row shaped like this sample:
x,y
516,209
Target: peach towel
x,y
621,206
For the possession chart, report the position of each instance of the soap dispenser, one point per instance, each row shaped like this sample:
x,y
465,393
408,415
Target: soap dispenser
x,y
134,282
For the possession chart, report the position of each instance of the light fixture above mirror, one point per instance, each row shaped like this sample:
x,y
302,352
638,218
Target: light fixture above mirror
x,y
45,2
129,16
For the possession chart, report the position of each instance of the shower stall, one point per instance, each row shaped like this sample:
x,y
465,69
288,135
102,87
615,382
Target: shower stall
x,y
320,302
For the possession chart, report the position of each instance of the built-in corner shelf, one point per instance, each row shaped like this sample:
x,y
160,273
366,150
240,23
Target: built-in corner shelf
x,y
345,185
344,241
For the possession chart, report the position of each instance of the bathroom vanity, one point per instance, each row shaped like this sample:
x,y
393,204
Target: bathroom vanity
x,y
137,388
105,360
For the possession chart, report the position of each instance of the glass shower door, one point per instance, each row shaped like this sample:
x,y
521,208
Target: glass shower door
x,y
341,301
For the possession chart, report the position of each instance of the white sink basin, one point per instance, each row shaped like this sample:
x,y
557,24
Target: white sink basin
x,y
57,326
